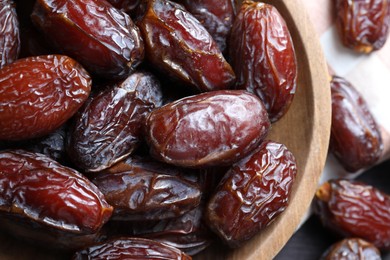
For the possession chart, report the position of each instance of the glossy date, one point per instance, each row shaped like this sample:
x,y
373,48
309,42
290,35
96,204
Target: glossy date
x,y
355,209
178,44
354,248
252,193
48,200
99,36
213,128
363,25
216,16
9,33
109,127
39,94
146,195
263,56
131,248
355,137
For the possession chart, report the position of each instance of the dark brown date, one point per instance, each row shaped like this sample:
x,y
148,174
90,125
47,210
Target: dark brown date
x,y
109,127
99,36
9,33
352,249
177,43
125,5
252,193
363,25
263,56
355,137
148,196
131,248
216,16
39,94
48,200
355,209
215,128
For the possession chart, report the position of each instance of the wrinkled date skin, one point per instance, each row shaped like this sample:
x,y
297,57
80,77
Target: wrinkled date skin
x,y
109,127
177,43
48,198
131,248
9,33
363,25
355,209
147,195
355,137
263,56
216,16
354,248
102,38
252,193
39,94
209,129
125,5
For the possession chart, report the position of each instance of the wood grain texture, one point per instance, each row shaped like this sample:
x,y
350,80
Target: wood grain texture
x,y
305,130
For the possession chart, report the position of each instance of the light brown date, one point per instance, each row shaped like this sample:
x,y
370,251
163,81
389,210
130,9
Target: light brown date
x,y
355,209
352,249
252,193
39,94
355,137
215,128
263,56
363,25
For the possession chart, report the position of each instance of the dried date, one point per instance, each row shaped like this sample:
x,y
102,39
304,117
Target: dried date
x,y
131,248
177,43
105,40
216,16
363,25
252,194
352,249
9,33
47,202
148,196
212,128
39,94
355,209
355,137
263,56
108,127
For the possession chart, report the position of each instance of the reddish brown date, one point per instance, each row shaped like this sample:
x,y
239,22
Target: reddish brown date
x,y
263,56
9,33
216,16
148,196
108,128
355,137
47,199
352,249
252,193
355,209
125,5
363,25
102,38
39,94
213,128
131,248
177,43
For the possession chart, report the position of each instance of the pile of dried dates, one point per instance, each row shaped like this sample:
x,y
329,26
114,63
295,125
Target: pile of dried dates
x,y
132,128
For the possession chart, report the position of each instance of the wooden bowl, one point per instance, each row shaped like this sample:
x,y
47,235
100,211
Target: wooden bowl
x,y
305,130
